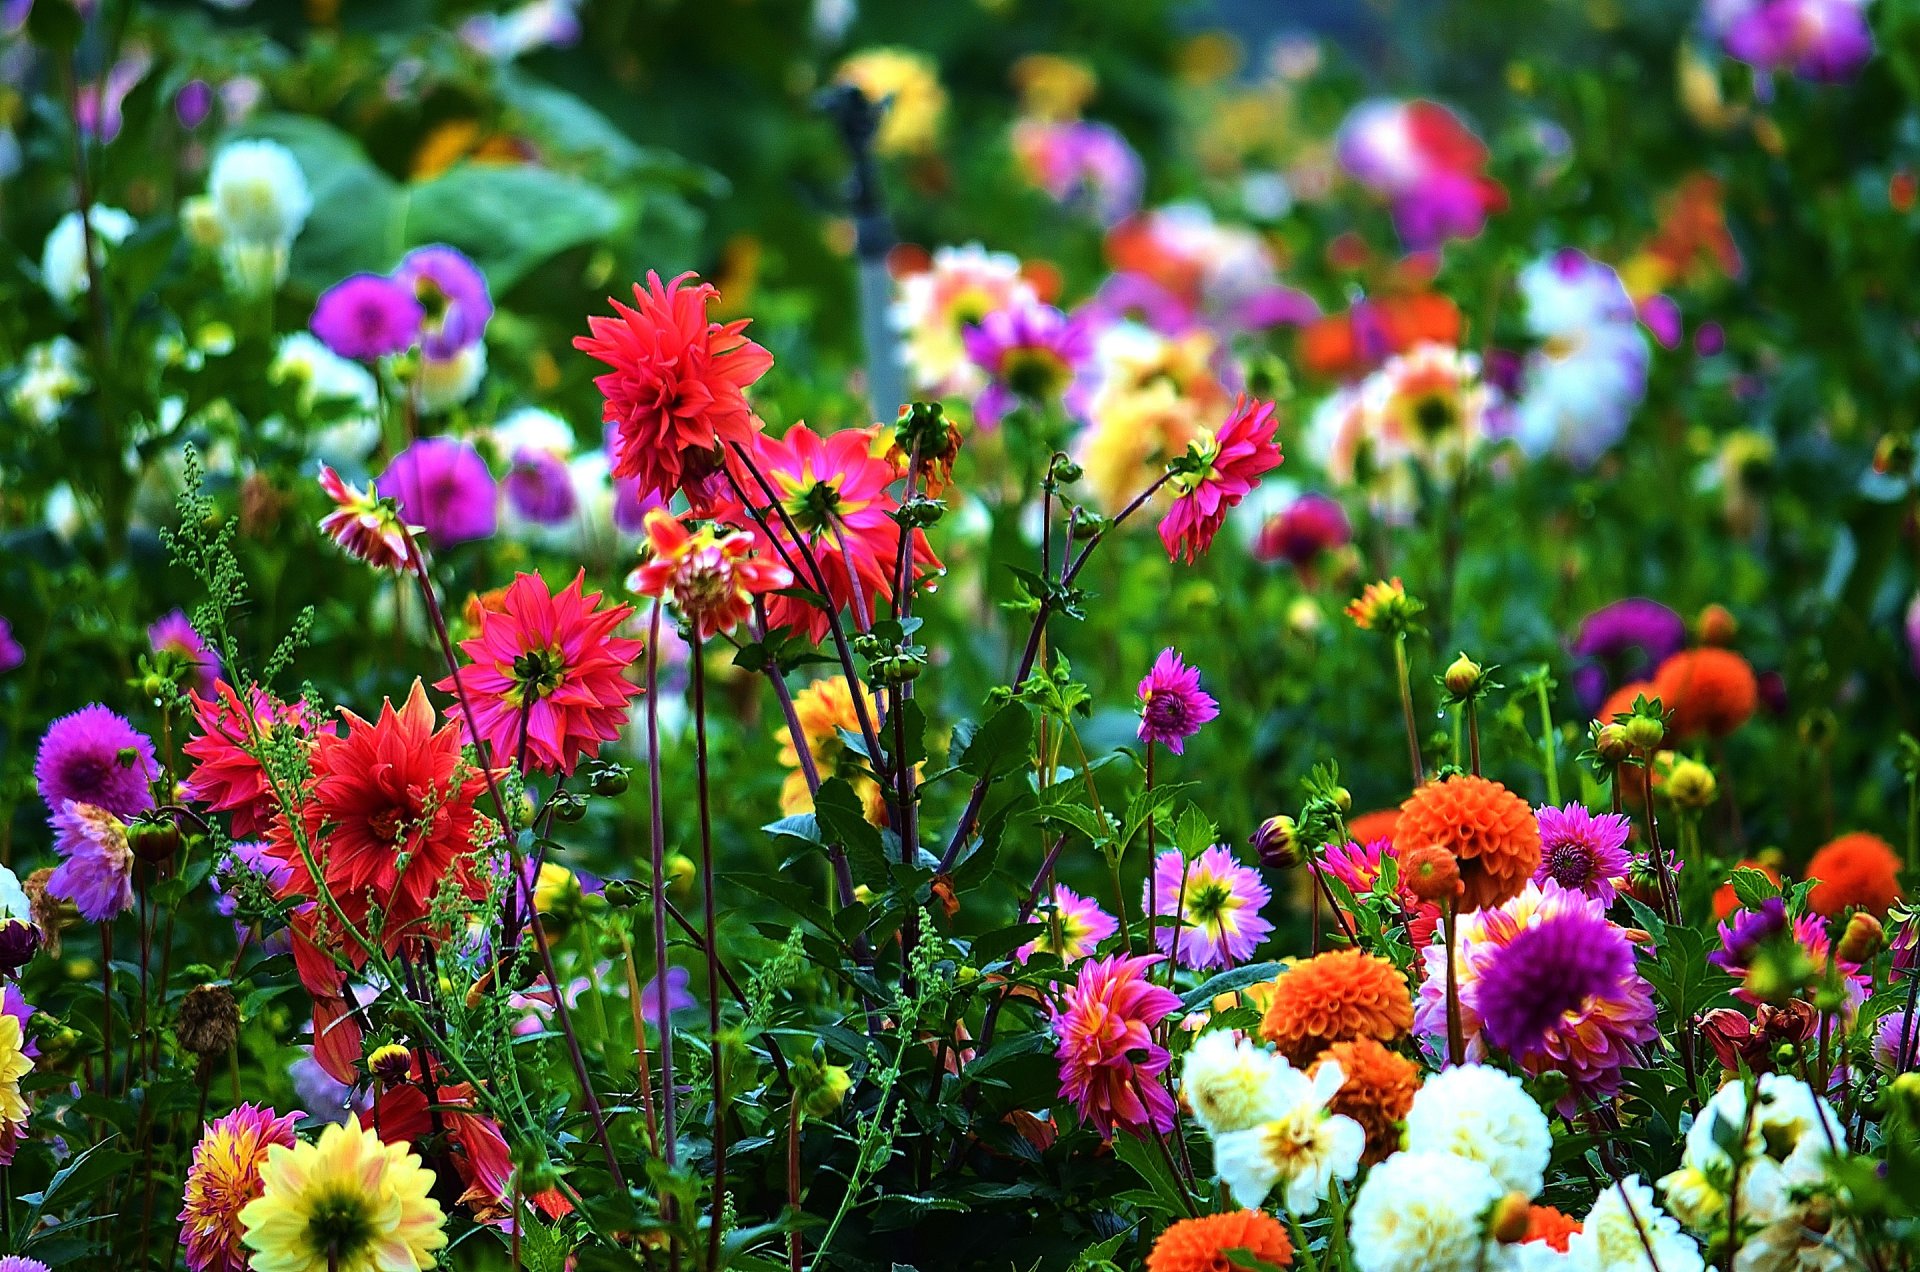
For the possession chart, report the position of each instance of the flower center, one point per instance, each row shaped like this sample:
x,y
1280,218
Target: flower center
x,y
1208,903
1433,415
433,301
1570,865
338,1227
537,674
1034,373
815,508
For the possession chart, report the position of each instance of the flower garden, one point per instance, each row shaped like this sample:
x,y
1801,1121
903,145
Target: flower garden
x,y
1023,634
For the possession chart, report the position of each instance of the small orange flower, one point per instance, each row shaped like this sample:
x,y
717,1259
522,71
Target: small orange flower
x,y
1200,1245
1431,873
1384,606
1858,869
1550,1227
1711,691
1377,1093
1336,997
1488,828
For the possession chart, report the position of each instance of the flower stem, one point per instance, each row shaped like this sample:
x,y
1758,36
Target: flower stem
x,y
1456,1044
713,946
1549,748
657,828
1405,678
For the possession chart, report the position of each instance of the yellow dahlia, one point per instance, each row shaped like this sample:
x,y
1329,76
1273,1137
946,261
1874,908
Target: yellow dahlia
x,y
15,1064
348,1203
909,83
824,708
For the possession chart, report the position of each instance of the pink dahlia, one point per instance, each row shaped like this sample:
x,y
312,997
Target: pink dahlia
x,y
1075,926
1218,471
678,381
96,865
174,635
1110,1065
1031,353
365,525
96,757
547,674
1591,1043
227,776
224,1177
838,496
711,578
1360,865
1209,908
1582,851
1746,934
1173,706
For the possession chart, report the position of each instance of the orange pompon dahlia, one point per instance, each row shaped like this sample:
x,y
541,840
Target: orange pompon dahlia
x,y
678,381
1200,1245
1486,826
1377,1092
1860,869
1550,1227
1336,997
1368,827
1710,691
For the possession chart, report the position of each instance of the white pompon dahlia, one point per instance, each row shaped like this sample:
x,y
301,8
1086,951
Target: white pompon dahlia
x,y
1423,1212
1484,1115
1624,1228
63,258
1226,1081
258,192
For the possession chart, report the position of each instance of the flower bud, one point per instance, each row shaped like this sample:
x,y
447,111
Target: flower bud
x,y
567,806
1611,742
1462,677
680,872
1430,873
153,837
19,942
1343,800
623,894
1645,732
390,1063
607,780
1511,1215
1691,785
1278,843
1716,625
209,1020
1861,940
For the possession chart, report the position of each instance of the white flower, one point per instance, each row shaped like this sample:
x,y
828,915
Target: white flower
x,y
1623,1226
13,898
1424,1212
532,429
1692,1197
1484,1115
1786,1148
63,259
50,376
1297,1143
259,193
447,382
1227,1081
320,374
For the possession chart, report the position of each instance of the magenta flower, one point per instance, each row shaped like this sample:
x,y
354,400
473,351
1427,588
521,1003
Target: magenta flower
x,y
11,654
1080,163
1300,532
452,296
1826,41
1583,852
1031,353
1426,164
1075,926
1621,642
174,634
96,866
1530,984
539,487
678,997
443,486
367,317
1110,1064
1216,902
96,757
1217,472
1173,706
1747,933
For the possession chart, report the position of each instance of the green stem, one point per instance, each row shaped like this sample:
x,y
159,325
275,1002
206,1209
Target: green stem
x,y
1406,707
1549,746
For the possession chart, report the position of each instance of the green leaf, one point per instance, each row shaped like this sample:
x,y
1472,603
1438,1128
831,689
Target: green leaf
x,y
1753,888
843,819
510,217
997,747
1236,978
1194,833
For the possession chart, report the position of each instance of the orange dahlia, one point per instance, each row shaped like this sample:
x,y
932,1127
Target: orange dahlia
x,y
1200,1245
1857,869
1549,1227
1336,997
1711,691
1489,828
1377,1092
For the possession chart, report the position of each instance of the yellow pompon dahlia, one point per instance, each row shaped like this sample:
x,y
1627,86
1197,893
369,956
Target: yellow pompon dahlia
x,y
348,1203
909,84
224,1177
824,708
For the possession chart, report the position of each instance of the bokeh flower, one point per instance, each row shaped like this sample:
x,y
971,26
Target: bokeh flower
x,y
1858,869
1336,997
824,708
451,294
546,675
1030,354
1218,471
678,381
95,756
1709,691
936,306
1299,533
1581,386
909,83
1110,1062
346,1203
1622,643
1826,41
222,1179
367,317
1082,164
1488,828
1210,907
173,634
442,485
1427,165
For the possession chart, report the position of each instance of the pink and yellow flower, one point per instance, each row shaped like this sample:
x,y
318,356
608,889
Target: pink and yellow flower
x,y
1219,470
224,1177
365,525
1213,904
1110,1064
710,577
1075,926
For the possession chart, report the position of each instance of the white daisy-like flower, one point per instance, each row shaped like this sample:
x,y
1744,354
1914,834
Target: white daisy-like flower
x,y
258,192
1484,1115
63,258
1424,1212
1227,1081
447,382
1296,1144
1624,1227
